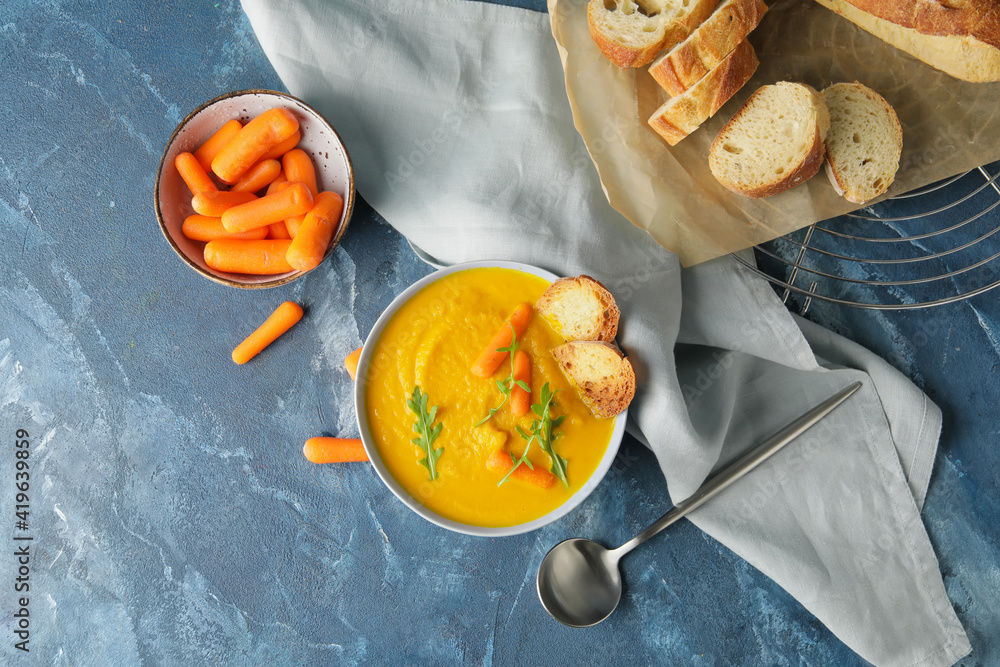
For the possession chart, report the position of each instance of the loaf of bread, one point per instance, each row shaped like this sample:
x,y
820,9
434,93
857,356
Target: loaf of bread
x,y
864,142
580,308
632,32
773,143
603,377
682,115
960,37
706,47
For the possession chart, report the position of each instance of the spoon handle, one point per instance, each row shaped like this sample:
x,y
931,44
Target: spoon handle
x,y
739,467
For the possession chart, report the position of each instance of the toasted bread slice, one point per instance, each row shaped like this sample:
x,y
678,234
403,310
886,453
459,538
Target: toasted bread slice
x,y
773,143
864,142
631,32
580,308
600,373
684,114
705,48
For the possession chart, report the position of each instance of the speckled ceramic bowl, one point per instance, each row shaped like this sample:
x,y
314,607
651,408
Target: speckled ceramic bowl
x,y
383,472
172,199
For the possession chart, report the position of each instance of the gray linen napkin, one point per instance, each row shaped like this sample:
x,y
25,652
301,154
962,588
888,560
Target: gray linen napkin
x,y
457,121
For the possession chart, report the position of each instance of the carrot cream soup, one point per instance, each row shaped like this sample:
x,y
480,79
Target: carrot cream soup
x,y
431,343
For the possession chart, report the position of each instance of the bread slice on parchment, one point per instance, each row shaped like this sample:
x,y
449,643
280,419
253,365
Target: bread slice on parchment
x,y
682,115
580,308
773,143
960,37
684,65
864,142
600,373
631,32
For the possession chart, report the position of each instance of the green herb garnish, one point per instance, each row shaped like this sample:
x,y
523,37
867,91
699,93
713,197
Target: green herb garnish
x,y
506,385
541,432
425,429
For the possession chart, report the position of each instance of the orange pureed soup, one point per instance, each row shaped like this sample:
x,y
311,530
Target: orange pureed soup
x,y
432,342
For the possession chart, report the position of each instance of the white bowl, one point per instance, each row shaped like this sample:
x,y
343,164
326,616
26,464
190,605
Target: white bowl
x,y
172,199
383,472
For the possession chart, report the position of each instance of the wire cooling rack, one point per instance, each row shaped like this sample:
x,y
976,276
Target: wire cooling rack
x,y
935,245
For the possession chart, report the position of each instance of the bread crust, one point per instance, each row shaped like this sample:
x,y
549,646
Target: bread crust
x,y
612,393
605,329
805,170
684,114
964,43
979,19
709,44
834,171
668,33
620,54
837,187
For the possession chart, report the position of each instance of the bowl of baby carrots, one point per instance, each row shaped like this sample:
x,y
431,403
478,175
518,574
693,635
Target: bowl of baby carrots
x,y
254,189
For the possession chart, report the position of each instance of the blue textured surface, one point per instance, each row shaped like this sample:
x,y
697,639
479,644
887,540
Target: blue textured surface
x,y
174,518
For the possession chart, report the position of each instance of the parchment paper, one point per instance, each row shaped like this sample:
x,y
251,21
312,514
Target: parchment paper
x,y
949,126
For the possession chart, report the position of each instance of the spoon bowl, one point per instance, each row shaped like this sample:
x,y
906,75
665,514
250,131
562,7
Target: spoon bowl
x,y
579,583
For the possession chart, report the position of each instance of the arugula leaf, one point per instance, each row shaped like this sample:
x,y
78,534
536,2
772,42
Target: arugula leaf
x,y
426,431
542,433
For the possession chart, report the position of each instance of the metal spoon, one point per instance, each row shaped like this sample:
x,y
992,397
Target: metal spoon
x,y
579,582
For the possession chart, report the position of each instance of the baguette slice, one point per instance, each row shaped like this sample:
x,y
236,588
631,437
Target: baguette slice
x,y
580,308
959,37
705,48
631,32
684,114
773,143
864,142
600,373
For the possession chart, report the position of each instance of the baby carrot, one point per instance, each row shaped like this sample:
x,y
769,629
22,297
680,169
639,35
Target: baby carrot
x,y
313,238
351,362
292,200
194,176
500,463
252,142
264,257
214,204
277,183
334,450
258,176
491,358
294,223
520,400
277,323
215,143
299,169
203,228
277,230
285,146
